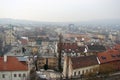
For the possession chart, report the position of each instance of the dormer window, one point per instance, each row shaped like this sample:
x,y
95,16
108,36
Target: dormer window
x,y
65,49
118,55
113,55
69,49
73,51
76,49
103,57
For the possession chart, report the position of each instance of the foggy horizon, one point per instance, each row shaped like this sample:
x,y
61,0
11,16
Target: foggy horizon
x,y
60,10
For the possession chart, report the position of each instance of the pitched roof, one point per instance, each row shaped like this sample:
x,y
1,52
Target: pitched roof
x,y
21,58
117,47
109,56
84,61
96,47
71,47
12,64
118,42
24,41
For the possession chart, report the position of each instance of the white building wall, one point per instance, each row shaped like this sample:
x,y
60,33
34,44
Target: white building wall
x,y
7,75
10,75
9,37
32,43
84,70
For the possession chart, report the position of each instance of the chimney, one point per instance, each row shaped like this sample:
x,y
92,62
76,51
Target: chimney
x,y
5,58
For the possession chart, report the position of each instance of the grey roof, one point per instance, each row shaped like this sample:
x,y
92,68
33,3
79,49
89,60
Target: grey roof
x,y
21,58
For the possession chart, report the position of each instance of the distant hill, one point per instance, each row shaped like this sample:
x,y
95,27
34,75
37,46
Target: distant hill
x,y
29,22
106,21
16,21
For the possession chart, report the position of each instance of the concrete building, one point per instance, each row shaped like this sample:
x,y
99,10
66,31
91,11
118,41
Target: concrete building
x,y
77,66
52,62
110,60
9,36
1,46
72,49
13,69
93,49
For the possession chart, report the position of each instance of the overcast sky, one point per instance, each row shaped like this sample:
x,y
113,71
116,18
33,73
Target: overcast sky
x,y
60,10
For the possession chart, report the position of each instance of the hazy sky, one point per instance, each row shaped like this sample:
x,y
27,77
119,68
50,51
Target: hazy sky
x,y
60,10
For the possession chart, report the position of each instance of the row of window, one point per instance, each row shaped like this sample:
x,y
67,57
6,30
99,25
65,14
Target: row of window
x,y
20,75
51,63
113,56
15,75
83,72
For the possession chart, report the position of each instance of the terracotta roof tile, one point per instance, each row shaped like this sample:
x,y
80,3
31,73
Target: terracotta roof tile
x,y
12,64
109,56
117,47
85,61
70,47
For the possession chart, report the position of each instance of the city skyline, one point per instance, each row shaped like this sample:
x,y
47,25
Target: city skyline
x,y
60,10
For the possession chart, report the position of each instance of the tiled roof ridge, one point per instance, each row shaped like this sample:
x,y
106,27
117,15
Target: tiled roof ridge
x,y
109,56
84,61
12,64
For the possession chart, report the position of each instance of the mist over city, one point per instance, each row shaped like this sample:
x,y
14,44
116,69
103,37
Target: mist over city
x,y
59,40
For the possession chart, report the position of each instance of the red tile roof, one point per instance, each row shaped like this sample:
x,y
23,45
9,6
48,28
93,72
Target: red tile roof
x,y
85,61
12,64
109,56
78,36
117,47
71,47
24,41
